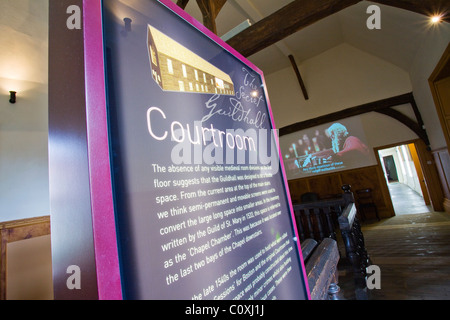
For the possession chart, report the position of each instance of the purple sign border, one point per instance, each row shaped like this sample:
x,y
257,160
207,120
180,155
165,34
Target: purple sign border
x,y
103,220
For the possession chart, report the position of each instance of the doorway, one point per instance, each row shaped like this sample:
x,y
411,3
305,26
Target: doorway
x,y
404,179
390,169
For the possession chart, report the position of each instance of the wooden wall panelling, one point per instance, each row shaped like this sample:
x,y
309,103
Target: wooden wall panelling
x,y
297,188
367,177
423,186
17,230
388,211
442,160
439,82
430,172
326,185
3,243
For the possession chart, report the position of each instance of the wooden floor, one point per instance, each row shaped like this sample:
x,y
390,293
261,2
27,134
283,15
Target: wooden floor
x,y
413,253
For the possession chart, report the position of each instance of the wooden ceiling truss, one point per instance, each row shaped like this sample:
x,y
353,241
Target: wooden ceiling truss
x,y
298,15
385,106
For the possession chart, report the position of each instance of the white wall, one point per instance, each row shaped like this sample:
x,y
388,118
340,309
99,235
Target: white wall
x,y
24,187
24,125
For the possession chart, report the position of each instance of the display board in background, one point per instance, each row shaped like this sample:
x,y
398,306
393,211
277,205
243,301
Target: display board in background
x,y
200,197
327,148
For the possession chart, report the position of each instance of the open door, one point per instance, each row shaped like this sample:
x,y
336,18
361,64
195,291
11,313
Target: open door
x,y
404,178
423,186
439,82
431,176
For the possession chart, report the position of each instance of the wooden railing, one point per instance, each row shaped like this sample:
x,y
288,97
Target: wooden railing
x,y
337,219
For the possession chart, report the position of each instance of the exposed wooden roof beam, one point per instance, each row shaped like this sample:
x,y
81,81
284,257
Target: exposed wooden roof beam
x,y
415,127
299,76
302,13
284,22
384,106
182,3
349,112
210,9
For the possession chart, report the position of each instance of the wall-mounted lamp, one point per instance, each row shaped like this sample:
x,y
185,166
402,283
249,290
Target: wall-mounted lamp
x,y
127,24
12,97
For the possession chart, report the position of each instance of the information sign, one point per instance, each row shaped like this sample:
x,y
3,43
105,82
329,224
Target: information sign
x,y
200,197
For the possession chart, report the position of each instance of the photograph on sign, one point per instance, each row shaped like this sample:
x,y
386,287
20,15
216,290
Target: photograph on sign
x,y
201,200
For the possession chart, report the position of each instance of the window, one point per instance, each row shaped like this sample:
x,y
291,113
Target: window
x,y
219,83
183,67
181,85
153,55
169,66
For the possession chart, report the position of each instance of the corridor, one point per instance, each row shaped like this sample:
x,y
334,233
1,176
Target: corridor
x,y
405,200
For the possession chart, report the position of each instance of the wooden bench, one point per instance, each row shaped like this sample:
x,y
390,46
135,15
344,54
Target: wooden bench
x,y
355,248
323,219
321,268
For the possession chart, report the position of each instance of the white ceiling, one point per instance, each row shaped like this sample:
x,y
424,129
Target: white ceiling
x,y
24,40
24,29
399,39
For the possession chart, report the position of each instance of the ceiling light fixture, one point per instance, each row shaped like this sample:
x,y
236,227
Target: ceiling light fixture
x,y
436,19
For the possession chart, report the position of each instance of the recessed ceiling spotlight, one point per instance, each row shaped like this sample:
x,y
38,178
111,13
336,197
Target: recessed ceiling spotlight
x,y
436,18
